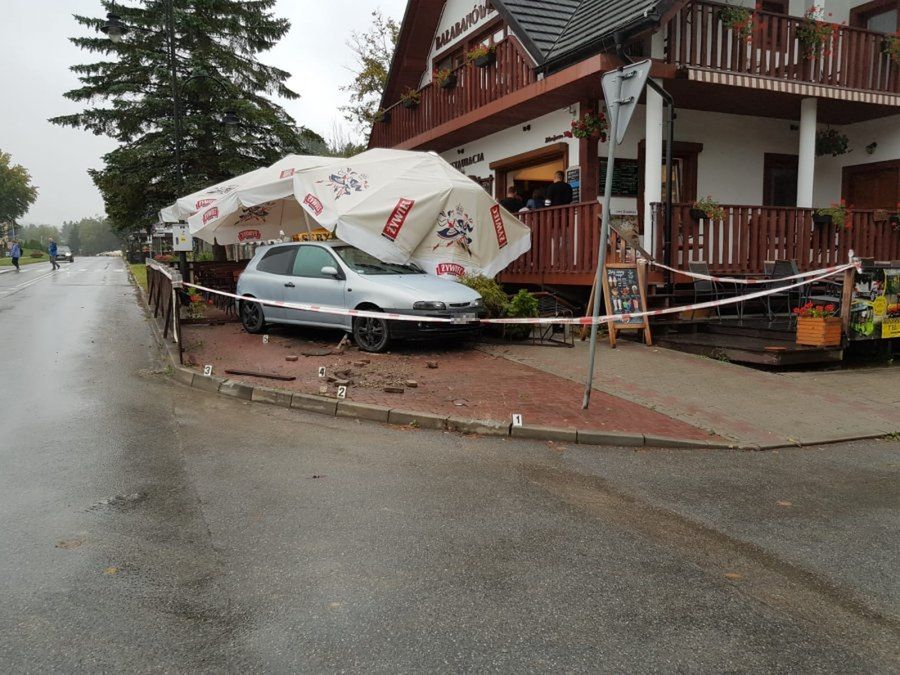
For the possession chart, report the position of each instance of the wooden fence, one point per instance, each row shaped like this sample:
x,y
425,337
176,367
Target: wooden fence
x,y
163,284
748,236
850,57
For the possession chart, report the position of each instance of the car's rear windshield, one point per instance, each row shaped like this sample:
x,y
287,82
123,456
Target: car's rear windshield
x,y
363,263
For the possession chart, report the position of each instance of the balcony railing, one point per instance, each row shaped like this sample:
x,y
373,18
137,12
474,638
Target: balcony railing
x,y
851,57
475,87
564,241
748,236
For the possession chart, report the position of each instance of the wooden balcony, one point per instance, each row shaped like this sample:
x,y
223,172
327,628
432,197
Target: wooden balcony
x,y
475,87
564,241
750,235
851,58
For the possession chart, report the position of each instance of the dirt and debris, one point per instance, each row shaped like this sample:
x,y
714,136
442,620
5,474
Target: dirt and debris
x,y
292,357
394,390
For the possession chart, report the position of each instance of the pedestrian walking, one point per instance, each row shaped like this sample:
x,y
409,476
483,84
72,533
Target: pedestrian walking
x,y
15,253
53,250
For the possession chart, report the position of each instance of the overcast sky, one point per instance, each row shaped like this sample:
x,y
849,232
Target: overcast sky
x,y
35,56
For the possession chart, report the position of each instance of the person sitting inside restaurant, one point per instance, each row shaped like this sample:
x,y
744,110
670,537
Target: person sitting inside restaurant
x,y
512,202
560,192
537,200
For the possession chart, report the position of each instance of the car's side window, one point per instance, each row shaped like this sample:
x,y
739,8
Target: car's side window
x,y
310,261
278,260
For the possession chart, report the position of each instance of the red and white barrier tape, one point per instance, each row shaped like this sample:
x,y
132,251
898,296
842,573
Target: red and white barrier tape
x,y
579,321
737,280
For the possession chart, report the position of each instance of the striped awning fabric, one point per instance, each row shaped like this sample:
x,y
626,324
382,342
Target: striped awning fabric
x,y
791,86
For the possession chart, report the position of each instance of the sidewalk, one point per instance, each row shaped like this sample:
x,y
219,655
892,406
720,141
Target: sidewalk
x,y
735,402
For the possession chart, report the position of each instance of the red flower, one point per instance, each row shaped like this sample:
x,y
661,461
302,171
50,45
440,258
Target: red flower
x,y
829,307
567,134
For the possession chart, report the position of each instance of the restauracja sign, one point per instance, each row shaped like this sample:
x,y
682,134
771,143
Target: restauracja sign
x,y
470,20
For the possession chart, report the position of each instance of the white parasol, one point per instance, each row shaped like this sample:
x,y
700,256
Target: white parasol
x,y
184,207
261,208
401,205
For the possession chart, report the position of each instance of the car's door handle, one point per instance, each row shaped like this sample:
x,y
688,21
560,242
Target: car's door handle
x,y
289,284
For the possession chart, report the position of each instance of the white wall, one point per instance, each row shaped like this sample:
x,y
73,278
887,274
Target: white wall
x,y
515,140
454,12
884,131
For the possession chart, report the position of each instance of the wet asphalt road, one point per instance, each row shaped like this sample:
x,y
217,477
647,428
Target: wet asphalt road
x,y
147,527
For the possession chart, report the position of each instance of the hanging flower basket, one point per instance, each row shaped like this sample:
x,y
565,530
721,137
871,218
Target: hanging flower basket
x,y
832,142
383,116
482,56
838,213
822,218
410,99
814,33
707,208
445,78
891,46
589,125
739,20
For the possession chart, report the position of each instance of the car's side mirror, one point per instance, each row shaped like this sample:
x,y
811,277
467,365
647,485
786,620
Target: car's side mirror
x,y
330,271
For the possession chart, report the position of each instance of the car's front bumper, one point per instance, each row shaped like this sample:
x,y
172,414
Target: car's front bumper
x,y
464,322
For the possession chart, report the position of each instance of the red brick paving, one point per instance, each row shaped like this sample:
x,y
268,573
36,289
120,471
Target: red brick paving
x,y
467,383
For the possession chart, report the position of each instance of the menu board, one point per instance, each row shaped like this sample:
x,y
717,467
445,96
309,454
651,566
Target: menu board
x,y
573,178
624,292
875,312
625,177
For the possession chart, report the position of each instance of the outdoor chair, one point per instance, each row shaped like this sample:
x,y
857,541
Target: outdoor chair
x,y
704,289
551,305
791,298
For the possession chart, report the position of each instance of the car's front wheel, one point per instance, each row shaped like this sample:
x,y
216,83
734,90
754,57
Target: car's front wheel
x,y
370,334
252,317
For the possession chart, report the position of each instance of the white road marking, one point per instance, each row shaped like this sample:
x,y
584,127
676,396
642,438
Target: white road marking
x,y
26,284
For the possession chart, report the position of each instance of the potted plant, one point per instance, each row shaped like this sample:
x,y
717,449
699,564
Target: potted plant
x,y
894,219
589,125
837,213
410,98
522,305
815,33
816,325
891,46
739,20
707,208
444,77
832,142
482,55
383,116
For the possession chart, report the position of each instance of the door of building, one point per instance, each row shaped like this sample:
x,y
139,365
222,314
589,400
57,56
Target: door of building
x,y
872,186
779,180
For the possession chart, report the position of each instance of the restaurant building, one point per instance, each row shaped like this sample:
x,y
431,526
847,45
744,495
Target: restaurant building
x,y
776,116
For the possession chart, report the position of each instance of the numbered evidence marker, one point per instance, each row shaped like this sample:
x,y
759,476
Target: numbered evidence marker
x,y
265,339
342,391
321,371
207,370
517,420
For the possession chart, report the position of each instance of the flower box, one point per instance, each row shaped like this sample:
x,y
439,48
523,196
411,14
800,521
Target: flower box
x,y
819,332
410,104
485,60
822,218
383,117
698,214
449,82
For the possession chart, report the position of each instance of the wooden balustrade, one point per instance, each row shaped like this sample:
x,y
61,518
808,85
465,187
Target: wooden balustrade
x,y
750,235
475,87
564,246
851,57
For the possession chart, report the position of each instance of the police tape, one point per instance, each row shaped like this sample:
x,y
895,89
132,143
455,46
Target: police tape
x,y
621,317
738,280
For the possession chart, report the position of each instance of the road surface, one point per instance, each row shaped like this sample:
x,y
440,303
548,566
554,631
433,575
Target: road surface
x,y
151,528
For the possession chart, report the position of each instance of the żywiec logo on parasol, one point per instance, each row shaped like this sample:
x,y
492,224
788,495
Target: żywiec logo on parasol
x,y
203,202
500,231
397,218
314,203
245,235
452,269
210,214
345,182
454,229
286,173
223,189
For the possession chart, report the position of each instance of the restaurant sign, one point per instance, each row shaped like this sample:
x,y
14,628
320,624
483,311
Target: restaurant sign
x,y
876,305
475,16
461,164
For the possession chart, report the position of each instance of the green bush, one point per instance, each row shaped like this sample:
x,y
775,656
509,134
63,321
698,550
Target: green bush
x,y
495,299
523,304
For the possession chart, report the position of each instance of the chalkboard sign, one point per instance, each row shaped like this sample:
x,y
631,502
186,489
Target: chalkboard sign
x,y
625,177
573,178
624,292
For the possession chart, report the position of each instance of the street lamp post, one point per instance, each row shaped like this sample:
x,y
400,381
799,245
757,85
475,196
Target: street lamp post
x,y
116,30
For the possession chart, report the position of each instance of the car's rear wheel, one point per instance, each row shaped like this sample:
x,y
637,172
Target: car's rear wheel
x,y
252,317
370,334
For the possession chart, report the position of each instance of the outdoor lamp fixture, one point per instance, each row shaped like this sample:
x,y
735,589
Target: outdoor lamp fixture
x,y
114,28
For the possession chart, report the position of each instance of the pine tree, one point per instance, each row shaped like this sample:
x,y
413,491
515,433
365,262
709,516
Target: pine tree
x,y
216,41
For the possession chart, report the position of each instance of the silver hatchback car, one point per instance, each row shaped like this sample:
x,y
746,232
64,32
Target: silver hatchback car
x,y
336,274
